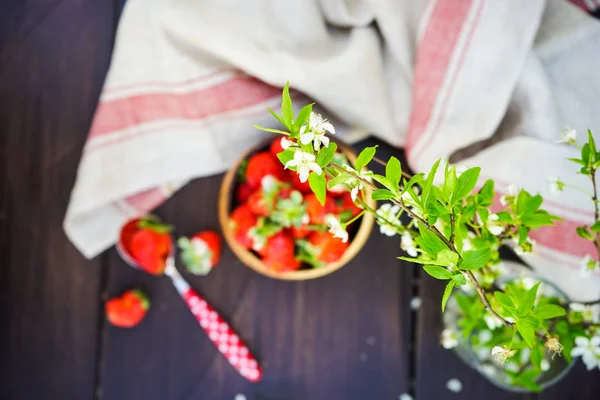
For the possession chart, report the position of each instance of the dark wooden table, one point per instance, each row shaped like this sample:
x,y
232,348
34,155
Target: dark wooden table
x,y
350,335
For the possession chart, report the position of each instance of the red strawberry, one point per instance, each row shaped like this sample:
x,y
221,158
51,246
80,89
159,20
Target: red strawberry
x,y
241,221
128,309
276,147
279,245
200,253
301,232
243,192
148,242
260,204
303,187
345,203
329,249
317,212
282,264
261,164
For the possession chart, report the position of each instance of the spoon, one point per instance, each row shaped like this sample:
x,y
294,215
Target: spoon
x,y
218,330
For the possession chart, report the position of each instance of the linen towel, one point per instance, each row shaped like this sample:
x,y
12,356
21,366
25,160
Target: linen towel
x,y
482,82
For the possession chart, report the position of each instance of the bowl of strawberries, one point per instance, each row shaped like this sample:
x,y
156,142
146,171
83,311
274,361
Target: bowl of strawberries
x,y
274,223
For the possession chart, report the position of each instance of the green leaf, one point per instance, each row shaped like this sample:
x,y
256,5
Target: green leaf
x,y
278,118
577,161
539,218
446,295
475,259
487,192
449,181
465,184
326,155
412,181
537,353
548,311
585,154
338,180
521,200
523,232
303,116
506,303
317,184
382,194
438,272
286,106
533,203
383,180
592,144
393,172
583,232
365,157
428,184
285,156
504,216
262,128
527,331
429,242
447,258
595,226
422,261
528,299
459,279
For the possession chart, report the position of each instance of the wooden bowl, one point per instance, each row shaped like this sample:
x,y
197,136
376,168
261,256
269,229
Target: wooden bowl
x,y
226,195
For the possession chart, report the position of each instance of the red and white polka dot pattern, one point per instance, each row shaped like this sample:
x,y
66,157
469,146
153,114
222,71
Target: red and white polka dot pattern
x,y
221,334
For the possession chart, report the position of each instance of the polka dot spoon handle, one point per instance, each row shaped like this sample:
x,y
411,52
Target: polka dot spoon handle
x,y
218,331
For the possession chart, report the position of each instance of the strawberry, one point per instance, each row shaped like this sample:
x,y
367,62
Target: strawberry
x,y
346,204
282,264
303,187
280,244
327,249
261,204
276,146
243,192
317,212
242,219
148,242
261,164
200,253
127,310
300,232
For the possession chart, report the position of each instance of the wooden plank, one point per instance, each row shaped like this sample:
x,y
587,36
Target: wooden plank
x,y
344,336
52,70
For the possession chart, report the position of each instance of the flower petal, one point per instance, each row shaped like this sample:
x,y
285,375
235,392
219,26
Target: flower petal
x,y
307,137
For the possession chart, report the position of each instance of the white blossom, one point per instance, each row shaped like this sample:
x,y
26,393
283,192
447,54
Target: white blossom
x,y
492,322
511,191
545,365
388,221
454,385
588,266
567,135
317,133
501,354
590,313
285,143
405,396
484,336
355,183
589,350
493,225
408,245
555,185
269,183
304,163
336,228
449,338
